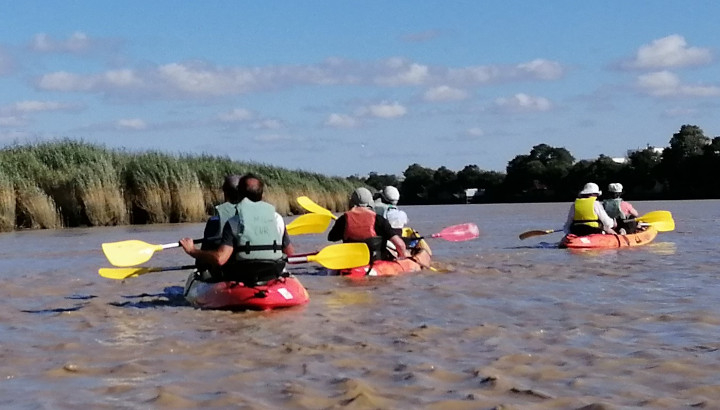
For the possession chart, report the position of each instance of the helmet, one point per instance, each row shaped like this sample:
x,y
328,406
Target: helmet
x,y
391,195
590,188
616,187
361,197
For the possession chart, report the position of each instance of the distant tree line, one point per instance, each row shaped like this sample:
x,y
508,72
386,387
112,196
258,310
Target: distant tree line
x,y
688,168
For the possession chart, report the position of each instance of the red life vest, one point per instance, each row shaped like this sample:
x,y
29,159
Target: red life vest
x,y
359,224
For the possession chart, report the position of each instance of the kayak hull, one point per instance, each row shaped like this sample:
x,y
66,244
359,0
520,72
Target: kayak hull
x,y
421,258
418,261
606,241
277,293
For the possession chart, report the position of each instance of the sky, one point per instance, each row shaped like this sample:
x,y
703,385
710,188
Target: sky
x,y
352,87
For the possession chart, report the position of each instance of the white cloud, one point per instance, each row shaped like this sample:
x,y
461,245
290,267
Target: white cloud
x,y
667,84
542,69
236,115
444,93
39,106
523,103
132,124
267,124
668,52
12,121
475,132
341,121
412,74
201,80
387,110
78,42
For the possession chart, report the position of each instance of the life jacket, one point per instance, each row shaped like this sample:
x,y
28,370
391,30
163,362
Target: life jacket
x,y
612,207
214,226
255,231
359,224
360,227
382,208
585,212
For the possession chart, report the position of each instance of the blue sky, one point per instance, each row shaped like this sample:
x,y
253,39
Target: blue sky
x,y
350,87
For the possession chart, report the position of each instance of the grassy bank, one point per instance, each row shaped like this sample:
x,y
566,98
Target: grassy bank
x,y
69,183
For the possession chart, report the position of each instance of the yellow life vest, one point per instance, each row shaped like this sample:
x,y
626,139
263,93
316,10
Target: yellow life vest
x,y
585,212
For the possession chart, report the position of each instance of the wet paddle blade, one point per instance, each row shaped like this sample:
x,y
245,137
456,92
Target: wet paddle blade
x,y
308,224
310,206
530,234
124,273
129,253
341,256
459,233
660,220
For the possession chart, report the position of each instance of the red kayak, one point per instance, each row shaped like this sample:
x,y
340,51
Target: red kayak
x,y
283,292
607,241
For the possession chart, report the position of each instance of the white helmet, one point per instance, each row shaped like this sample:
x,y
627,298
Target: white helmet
x,y
616,187
391,195
361,197
590,188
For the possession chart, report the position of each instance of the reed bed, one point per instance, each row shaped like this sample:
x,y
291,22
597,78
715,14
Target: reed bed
x,y
68,183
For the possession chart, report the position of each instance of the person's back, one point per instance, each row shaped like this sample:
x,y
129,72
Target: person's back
x,y
362,224
621,211
586,215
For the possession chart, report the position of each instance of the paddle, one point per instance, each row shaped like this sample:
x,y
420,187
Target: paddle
x,y
660,220
134,252
310,206
124,273
308,223
458,233
339,256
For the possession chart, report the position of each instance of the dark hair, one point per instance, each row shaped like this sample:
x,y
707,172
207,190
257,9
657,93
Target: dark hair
x,y
251,187
230,188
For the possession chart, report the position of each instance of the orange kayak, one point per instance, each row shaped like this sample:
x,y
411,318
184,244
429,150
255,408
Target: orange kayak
x,y
607,241
419,260
283,292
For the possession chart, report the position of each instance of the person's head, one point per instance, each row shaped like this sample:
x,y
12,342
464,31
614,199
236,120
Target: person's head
x,y
615,189
390,195
251,187
590,189
361,197
230,188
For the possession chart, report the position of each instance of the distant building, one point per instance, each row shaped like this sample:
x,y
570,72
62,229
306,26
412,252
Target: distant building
x,y
472,194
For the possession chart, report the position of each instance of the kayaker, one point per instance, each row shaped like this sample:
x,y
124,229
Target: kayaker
x,y
253,241
226,210
362,224
622,211
386,205
587,216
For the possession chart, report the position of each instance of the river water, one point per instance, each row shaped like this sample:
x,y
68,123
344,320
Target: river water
x,y
507,323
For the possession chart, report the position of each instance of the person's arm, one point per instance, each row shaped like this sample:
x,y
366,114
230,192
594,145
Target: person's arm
x,y
629,209
607,222
216,257
384,230
287,246
338,230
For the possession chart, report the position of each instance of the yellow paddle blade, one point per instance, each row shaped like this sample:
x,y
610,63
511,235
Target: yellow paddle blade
x,y
342,256
660,220
310,206
308,223
123,273
129,253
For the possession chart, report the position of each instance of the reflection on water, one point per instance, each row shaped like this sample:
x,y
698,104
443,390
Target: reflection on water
x,y
512,323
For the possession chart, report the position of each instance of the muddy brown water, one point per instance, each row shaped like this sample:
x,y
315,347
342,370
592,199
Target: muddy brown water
x,y
511,323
